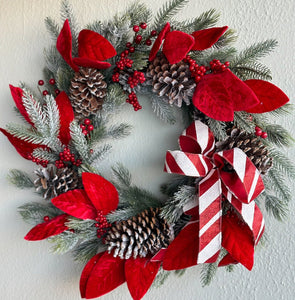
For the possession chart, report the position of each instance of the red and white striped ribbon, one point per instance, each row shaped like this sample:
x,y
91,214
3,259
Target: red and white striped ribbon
x,y
242,186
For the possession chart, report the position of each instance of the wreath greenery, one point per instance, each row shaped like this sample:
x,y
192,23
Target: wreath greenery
x,y
229,163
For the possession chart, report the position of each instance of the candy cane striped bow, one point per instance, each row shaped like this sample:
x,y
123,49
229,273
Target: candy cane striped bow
x,y
228,173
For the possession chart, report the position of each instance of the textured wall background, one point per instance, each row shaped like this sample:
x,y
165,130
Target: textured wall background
x,y
27,270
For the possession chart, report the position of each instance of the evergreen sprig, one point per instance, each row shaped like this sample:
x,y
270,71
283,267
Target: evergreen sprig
x,y
163,110
20,179
166,13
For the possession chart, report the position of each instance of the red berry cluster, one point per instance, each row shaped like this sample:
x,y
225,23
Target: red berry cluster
x,y
138,37
216,66
197,72
86,127
67,157
133,100
38,161
136,78
102,224
259,132
124,61
52,82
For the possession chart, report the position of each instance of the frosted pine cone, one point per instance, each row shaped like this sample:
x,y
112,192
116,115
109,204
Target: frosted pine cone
x,y
141,235
52,182
87,92
251,145
171,81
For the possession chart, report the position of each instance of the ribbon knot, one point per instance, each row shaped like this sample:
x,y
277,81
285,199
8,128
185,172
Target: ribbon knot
x,y
228,174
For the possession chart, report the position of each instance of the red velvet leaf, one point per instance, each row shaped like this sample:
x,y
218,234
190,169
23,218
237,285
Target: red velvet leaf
x,y
87,271
206,38
227,260
101,192
66,116
75,203
237,239
176,46
44,230
270,96
219,95
25,149
17,95
183,251
106,275
94,46
89,63
157,43
140,274
64,45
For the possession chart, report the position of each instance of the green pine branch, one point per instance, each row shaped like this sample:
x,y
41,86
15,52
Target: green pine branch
x,y
20,179
207,273
163,110
79,142
63,242
218,128
52,27
122,176
168,10
99,153
253,70
278,135
86,250
254,53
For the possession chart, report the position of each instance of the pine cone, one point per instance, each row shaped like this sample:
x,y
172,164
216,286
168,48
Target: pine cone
x,y
141,235
171,81
87,92
53,182
250,144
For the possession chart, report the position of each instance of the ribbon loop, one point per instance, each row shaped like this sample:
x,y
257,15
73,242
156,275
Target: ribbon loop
x,y
243,180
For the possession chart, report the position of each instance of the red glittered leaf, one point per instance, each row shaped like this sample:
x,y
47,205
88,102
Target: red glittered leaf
x,y
64,45
66,116
176,46
94,46
183,251
101,192
227,260
106,275
75,203
140,274
89,63
157,43
25,149
206,38
237,239
45,230
219,95
17,95
87,271
270,96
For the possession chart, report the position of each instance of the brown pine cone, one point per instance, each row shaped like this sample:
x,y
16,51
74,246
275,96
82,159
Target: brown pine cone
x,y
52,182
173,82
250,144
141,235
87,92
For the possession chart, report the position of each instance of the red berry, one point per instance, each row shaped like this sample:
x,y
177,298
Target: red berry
x,y
57,91
131,49
154,33
258,132
52,81
143,25
128,45
96,224
45,92
264,135
90,127
46,218
148,42
40,82
138,39
91,151
87,122
85,132
135,28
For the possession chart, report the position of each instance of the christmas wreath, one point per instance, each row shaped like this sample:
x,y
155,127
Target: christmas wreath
x,y
228,162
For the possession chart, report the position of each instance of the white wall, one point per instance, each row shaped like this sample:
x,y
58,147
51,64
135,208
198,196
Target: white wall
x,y
28,270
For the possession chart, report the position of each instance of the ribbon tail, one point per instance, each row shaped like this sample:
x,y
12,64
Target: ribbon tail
x,y
210,214
250,213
